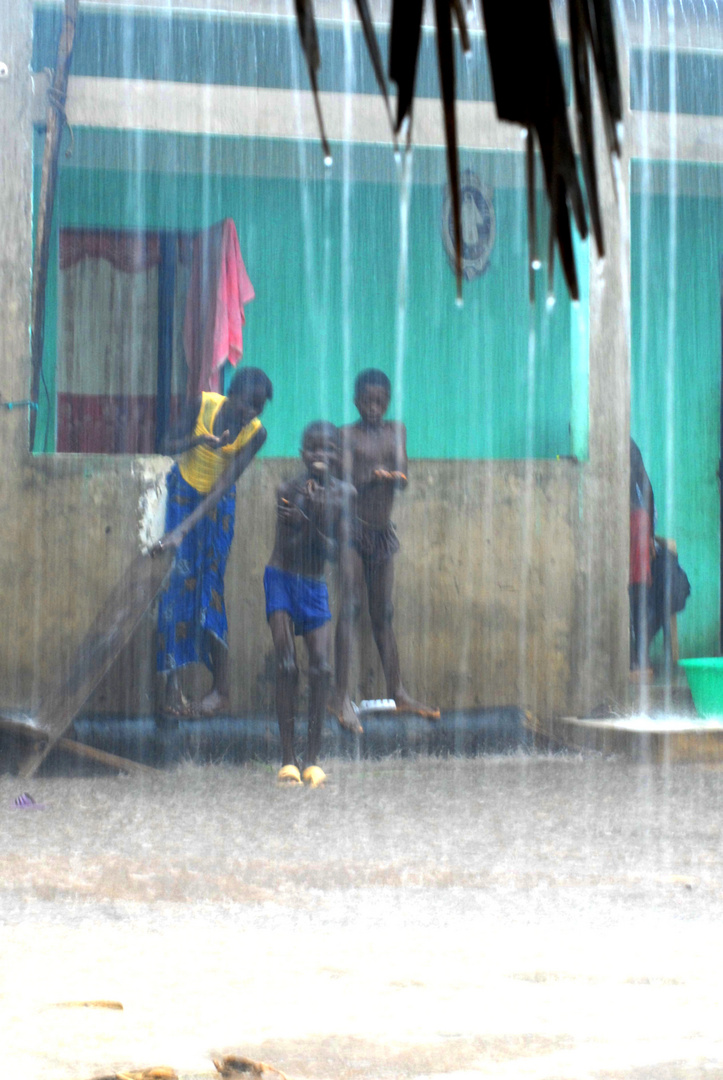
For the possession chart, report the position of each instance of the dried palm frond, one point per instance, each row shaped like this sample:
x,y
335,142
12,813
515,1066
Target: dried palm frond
x,y
528,90
445,58
373,49
310,44
577,14
404,38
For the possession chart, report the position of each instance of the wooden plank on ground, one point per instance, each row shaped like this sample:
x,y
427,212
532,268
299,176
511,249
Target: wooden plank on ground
x,y
119,616
113,761
27,730
21,725
123,609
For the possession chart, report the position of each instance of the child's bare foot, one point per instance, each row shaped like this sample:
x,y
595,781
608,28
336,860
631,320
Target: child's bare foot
x,y
406,704
175,704
345,713
213,704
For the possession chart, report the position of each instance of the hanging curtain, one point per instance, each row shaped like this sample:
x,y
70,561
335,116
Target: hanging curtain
x,y
106,374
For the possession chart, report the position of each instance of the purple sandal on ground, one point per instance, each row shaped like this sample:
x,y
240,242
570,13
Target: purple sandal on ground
x,y
27,802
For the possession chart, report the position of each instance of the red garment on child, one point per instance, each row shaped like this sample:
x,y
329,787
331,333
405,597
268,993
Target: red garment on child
x,y
641,543
214,319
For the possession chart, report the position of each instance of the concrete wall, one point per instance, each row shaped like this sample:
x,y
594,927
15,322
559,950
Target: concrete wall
x,y
476,618
496,602
512,576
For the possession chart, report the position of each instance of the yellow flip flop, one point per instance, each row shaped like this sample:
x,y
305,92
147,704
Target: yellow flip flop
x,y
313,776
288,776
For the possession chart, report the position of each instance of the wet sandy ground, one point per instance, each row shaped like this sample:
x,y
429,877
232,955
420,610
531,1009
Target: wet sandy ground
x,y
527,916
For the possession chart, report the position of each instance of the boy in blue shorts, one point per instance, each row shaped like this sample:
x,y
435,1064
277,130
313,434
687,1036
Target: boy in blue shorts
x,y
314,512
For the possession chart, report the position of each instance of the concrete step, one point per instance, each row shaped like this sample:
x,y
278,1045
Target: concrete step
x,y
650,740
464,733
661,696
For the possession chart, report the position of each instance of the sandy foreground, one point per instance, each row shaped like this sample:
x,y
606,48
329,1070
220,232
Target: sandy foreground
x,y
527,916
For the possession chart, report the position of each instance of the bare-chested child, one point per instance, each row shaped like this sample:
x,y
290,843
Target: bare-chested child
x,y
374,460
314,514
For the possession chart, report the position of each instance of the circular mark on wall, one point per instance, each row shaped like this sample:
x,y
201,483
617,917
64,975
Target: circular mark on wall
x,y
478,225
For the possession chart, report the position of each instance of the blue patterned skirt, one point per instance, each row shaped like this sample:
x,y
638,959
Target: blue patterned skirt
x,y
192,606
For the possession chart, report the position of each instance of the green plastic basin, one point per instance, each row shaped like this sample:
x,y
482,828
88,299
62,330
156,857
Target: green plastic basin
x,y
705,678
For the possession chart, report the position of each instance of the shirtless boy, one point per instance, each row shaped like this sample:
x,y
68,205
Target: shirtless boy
x,y
374,460
314,512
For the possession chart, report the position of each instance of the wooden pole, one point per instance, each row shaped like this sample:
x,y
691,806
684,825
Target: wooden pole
x,y
113,761
54,131
111,630
28,731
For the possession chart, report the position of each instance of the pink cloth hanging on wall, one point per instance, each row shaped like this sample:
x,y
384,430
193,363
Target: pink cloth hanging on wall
x,y
217,292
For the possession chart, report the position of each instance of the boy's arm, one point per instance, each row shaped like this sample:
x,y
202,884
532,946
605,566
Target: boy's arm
x,y
639,477
345,532
397,475
240,462
288,511
648,500
322,503
401,463
347,454
347,515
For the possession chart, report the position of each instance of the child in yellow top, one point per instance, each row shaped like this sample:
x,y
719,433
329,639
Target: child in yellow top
x,y
219,436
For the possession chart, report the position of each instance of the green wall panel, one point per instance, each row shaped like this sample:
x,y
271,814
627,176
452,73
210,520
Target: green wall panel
x,y
492,379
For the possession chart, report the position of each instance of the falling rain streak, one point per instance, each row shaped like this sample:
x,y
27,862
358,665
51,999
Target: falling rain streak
x,y
480,890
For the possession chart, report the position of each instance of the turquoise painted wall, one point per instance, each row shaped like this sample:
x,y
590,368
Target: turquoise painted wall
x,y
676,373
490,380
